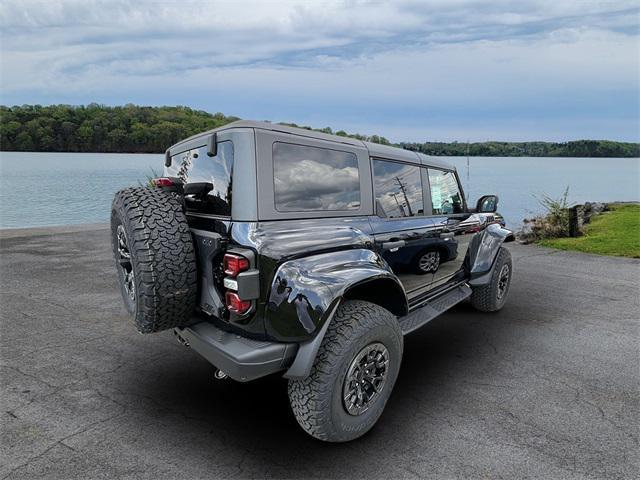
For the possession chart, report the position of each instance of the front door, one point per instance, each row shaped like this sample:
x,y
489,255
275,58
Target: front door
x,y
451,222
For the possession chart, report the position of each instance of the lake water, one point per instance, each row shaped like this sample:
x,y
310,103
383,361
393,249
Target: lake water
x,y
41,189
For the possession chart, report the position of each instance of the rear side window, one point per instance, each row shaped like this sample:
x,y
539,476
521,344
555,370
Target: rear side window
x,y
312,178
445,192
207,180
398,189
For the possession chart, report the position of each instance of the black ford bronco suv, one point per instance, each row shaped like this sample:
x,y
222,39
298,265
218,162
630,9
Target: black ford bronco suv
x,y
275,249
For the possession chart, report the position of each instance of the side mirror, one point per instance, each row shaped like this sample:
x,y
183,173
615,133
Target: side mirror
x,y
487,204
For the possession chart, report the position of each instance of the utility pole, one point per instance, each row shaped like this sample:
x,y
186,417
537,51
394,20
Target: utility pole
x,y
395,197
404,192
468,188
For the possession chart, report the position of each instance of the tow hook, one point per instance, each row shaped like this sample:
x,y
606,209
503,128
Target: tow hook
x,y
219,374
181,340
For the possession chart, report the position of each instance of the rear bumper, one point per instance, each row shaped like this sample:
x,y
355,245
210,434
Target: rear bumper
x,y
241,358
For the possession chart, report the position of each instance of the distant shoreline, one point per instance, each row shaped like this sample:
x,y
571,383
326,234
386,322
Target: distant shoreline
x,y
131,128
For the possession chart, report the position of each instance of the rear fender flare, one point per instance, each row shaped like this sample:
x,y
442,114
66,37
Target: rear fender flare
x,y
307,351
320,282
304,290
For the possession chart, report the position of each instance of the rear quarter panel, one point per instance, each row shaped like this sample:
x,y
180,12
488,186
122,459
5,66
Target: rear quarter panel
x,y
304,290
305,265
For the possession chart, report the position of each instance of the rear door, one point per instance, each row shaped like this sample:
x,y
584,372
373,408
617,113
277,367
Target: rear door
x,y
404,236
303,178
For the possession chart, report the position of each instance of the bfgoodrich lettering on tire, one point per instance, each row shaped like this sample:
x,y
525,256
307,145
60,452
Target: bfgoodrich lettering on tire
x,y
155,258
353,374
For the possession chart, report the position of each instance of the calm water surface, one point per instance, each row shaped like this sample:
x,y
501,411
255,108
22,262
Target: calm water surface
x,y
39,189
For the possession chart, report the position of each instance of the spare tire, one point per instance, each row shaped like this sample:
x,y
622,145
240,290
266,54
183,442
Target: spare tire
x,y
155,258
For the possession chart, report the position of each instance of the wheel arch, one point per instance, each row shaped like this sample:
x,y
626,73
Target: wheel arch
x,y
484,248
385,292
303,291
366,278
307,351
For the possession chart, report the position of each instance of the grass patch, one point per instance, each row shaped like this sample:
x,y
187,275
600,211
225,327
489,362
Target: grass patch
x,y
616,232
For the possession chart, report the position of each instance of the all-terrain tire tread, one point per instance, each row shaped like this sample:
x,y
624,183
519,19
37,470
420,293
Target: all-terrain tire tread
x,y
163,256
310,397
484,298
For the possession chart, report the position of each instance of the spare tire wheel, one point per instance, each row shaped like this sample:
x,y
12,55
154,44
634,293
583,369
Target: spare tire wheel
x,y
155,258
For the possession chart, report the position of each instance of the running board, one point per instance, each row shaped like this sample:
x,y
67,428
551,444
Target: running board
x,y
431,309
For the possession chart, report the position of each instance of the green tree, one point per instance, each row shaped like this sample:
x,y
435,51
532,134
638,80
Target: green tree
x,y
132,128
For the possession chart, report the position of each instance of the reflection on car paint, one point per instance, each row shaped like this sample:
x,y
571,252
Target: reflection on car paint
x,y
302,309
305,288
278,294
315,260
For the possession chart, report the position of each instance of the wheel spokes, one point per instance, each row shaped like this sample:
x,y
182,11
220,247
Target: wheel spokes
x,y
124,261
365,378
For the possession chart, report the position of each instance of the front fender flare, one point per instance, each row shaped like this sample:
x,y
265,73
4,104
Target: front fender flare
x,y
483,250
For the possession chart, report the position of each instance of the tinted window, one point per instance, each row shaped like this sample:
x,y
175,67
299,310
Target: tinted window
x,y
445,192
207,180
398,189
311,178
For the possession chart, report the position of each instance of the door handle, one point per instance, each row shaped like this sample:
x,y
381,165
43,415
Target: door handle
x,y
447,235
393,245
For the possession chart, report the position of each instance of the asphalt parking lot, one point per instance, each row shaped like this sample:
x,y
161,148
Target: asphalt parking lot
x,y
547,388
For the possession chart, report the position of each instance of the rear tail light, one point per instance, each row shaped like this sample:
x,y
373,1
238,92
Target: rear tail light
x,y
234,264
235,304
163,182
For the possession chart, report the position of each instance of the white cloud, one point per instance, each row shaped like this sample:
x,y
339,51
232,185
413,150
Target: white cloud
x,y
315,61
301,174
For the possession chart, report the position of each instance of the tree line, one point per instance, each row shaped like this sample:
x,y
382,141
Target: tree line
x,y
98,128
137,129
577,148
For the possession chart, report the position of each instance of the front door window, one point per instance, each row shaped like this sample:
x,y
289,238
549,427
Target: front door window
x,y
449,213
445,193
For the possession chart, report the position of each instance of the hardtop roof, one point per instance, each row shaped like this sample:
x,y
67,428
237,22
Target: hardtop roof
x,y
375,149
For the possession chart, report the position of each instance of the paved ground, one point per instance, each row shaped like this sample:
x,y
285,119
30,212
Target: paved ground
x,y
547,388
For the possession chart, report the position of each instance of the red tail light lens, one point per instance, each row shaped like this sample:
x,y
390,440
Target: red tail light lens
x,y
234,264
163,182
235,304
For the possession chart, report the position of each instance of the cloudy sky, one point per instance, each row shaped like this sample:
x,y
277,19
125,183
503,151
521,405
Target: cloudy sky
x,y
408,70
